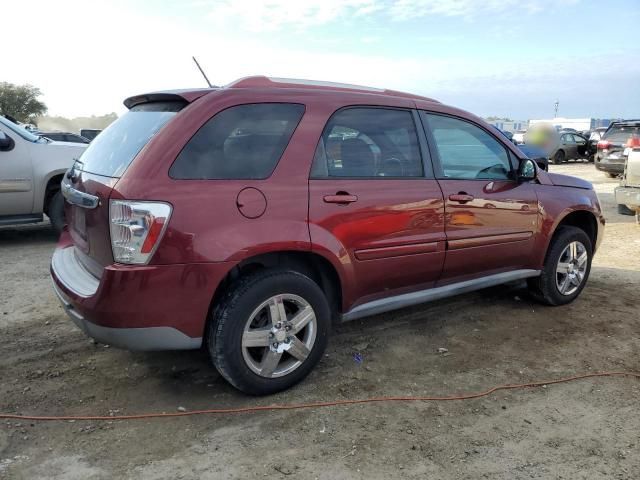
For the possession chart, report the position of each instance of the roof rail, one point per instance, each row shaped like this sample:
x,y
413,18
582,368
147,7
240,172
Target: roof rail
x,y
260,81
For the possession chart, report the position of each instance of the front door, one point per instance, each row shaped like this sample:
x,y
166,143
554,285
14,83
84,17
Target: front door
x,y
375,204
16,177
491,218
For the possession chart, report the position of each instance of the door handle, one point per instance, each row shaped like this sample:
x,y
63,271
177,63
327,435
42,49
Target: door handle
x,y
341,198
461,197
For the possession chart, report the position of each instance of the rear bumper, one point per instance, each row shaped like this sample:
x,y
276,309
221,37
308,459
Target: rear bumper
x,y
629,196
610,165
159,307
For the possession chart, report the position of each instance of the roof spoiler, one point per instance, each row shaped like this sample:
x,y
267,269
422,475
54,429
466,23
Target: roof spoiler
x,y
186,96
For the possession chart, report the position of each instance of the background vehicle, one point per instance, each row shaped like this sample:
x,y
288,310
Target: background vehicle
x,y
333,202
628,193
616,144
518,136
536,154
89,133
64,137
559,146
31,169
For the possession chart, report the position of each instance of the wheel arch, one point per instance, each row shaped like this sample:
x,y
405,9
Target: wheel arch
x,y
583,219
311,264
52,186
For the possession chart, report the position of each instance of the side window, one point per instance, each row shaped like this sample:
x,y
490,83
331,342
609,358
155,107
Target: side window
x,y
467,151
242,142
579,140
369,143
568,139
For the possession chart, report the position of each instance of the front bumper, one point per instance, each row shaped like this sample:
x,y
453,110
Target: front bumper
x,y
629,196
138,307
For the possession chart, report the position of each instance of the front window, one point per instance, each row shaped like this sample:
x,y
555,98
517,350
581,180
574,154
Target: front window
x,y
467,151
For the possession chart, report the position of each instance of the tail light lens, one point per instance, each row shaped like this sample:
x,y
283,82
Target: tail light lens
x,y
603,144
136,229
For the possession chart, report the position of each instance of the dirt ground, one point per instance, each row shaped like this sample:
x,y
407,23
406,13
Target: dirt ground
x,y
587,429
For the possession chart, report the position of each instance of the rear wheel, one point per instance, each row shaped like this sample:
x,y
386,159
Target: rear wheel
x,y
566,267
558,157
269,331
55,211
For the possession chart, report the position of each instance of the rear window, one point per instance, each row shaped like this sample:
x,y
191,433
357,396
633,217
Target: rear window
x,y
241,142
622,133
114,149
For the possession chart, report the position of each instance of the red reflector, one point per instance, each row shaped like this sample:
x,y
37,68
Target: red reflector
x,y
603,144
152,237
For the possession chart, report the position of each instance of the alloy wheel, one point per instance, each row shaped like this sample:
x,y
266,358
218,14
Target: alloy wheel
x,y
571,268
279,335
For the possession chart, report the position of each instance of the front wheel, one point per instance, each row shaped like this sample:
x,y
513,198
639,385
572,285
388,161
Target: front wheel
x,y
566,267
269,331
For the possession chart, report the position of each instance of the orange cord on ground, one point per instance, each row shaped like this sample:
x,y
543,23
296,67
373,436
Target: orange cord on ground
x,y
296,406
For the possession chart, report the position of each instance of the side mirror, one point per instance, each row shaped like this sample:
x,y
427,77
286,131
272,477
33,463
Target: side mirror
x,y
527,170
6,142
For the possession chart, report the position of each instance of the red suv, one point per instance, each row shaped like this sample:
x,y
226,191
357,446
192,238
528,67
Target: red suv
x,y
248,218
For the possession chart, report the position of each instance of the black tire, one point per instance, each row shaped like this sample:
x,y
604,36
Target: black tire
x,y
544,288
558,158
55,211
624,210
225,331
611,175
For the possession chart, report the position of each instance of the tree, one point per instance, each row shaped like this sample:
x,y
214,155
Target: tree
x,y
21,102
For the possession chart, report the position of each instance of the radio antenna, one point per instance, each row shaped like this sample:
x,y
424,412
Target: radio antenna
x,y
202,72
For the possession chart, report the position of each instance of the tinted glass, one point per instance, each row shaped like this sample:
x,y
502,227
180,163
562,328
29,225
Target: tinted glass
x,y
622,133
115,148
467,151
242,142
369,143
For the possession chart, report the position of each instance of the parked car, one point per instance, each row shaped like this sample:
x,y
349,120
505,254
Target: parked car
x,y
559,146
628,192
536,154
616,144
31,169
64,137
89,133
518,136
248,218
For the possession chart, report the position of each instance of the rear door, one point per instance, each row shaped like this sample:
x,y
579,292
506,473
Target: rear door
x,y
490,217
374,198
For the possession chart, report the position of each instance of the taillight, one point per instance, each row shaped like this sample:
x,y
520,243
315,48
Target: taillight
x,y
604,144
136,229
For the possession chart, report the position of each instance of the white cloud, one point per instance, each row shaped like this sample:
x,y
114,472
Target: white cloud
x,y
274,15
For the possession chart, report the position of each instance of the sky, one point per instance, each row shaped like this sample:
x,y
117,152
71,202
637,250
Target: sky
x,y
511,58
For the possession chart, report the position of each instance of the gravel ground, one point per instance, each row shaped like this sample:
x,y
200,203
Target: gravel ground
x,y
587,429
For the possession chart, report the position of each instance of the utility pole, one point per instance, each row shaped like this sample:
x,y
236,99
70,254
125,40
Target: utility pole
x,y
556,105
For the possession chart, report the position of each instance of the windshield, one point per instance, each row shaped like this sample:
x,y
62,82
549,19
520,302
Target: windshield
x,y
19,130
114,149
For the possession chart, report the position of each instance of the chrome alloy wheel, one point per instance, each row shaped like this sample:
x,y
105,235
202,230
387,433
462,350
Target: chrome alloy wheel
x,y
571,268
279,335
